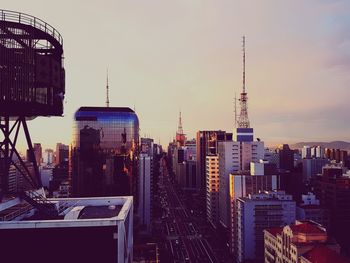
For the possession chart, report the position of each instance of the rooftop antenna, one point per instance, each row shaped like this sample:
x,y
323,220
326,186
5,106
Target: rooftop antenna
x,y
235,109
107,92
179,128
243,120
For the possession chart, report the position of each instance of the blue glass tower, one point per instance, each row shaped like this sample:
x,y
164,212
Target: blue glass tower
x,y
104,152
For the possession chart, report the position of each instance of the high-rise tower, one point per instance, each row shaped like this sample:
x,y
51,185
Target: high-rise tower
x,y
235,158
243,120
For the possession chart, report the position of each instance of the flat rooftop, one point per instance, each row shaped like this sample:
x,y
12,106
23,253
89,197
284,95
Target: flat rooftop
x,y
69,212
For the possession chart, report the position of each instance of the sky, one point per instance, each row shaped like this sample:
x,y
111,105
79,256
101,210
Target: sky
x,y
164,56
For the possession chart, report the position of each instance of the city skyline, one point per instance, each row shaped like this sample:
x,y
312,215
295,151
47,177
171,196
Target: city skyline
x,y
167,56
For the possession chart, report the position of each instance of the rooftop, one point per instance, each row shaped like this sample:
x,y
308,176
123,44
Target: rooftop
x,y
310,206
275,230
68,212
323,254
307,228
110,109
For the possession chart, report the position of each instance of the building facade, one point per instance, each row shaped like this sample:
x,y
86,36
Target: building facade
x,y
256,213
332,188
235,156
212,205
260,178
310,209
145,174
82,229
207,144
288,244
104,152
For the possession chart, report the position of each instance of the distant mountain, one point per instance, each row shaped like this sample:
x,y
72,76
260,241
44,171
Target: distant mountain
x,y
333,145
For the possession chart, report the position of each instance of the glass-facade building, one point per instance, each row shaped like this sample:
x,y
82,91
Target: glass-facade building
x,y
104,152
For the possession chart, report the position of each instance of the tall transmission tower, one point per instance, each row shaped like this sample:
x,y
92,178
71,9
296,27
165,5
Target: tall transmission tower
x,y
107,92
235,110
179,128
243,120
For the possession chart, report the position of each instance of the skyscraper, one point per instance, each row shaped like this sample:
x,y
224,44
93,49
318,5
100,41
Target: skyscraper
x,y
235,157
212,168
145,174
38,153
286,157
104,152
207,144
62,152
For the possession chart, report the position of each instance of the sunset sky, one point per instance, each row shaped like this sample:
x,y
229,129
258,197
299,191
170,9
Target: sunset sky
x,y
167,55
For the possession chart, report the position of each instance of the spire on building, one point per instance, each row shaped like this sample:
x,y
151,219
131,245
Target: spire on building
x,y
179,128
243,120
107,92
180,136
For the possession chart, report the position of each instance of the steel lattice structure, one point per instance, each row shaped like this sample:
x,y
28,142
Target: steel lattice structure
x,y
243,120
32,83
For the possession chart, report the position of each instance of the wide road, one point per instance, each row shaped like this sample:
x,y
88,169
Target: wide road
x,y
184,239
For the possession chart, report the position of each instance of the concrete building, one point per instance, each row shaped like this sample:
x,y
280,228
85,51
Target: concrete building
x,y
46,173
38,153
288,244
306,152
261,177
229,162
323,253
235,156
191,175
207,144
62,153
256,213
310,209
191,150
332,188
212,169
145,173
319,152
286,157
67,229
272,156
48,157
13,180
312,167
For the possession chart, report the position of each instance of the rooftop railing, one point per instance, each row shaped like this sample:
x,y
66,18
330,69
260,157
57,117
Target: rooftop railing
x,y
25,19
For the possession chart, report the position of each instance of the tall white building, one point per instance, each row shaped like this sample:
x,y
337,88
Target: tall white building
x,y
306,152
235,156
256,213
212,175
261,177
229,162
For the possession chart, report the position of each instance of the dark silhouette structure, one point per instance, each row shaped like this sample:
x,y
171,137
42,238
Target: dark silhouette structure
x,y
32,82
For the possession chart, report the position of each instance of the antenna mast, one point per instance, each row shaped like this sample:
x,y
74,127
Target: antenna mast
x,y
107,92
243,120
235,110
